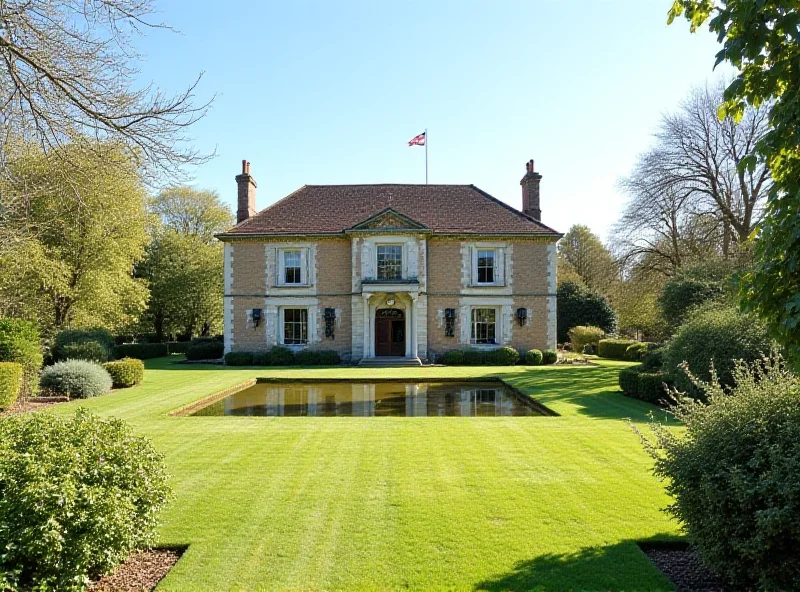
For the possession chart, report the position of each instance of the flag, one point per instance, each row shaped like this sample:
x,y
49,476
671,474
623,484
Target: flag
x,y
418,140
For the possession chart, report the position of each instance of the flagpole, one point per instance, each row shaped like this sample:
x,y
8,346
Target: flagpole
x,y
426,156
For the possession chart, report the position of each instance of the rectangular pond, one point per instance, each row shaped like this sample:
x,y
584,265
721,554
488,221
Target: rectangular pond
x,y
375,399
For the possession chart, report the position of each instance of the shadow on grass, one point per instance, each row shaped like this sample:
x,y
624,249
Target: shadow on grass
x,y
623,566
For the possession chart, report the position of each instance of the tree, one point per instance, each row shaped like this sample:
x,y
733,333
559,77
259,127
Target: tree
x,y
191,211
89,210
635,299
761,40
585,254
581,306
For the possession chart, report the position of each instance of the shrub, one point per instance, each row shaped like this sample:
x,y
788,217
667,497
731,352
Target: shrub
x,y
10,384
239,359
533,357
76,378
177,347
281,356
733,475
614,349
78,336
262,358
329,357
629,381
19,342
91,351
549,356
635,352
580,306
306,357
638,383
474,357
505,356
205,350
715,334
589,349
653,359
141,351
77,496
581,336
453,358
691,287
125,372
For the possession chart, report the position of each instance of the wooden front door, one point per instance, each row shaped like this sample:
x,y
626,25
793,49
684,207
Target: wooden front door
x,y
390,332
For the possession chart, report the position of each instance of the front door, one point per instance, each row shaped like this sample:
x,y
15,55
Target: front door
x,y
390,332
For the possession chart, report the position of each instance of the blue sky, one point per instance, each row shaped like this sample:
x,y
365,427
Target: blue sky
x,y
330,92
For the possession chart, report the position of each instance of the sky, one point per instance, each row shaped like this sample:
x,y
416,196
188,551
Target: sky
x,y
331,92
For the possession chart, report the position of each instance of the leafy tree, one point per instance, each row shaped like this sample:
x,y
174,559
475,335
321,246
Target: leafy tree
x,y
636,301
584,253
695,285
190,211
580,306
760,39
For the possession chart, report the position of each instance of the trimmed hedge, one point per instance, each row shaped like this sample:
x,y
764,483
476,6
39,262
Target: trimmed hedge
x,y
637,351
78,336
10,383
281,356
19,342
533,357
614,349
504,356
177,347
629,381
549,356
141,351
126,372
637,383
453,358
205,350
76,378
91,351
239,359
262,358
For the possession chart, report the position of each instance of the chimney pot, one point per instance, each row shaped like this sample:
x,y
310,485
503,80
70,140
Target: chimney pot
x,y
530,192
246,194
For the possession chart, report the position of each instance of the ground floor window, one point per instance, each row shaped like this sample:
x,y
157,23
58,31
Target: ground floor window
x,y
295,326
484,325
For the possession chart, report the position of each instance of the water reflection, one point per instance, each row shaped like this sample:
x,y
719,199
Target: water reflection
x,y
377,399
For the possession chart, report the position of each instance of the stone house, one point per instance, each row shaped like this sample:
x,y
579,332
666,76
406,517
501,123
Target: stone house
x,y
389,271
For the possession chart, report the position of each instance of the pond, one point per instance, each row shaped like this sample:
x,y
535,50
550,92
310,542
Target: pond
x,y
375,399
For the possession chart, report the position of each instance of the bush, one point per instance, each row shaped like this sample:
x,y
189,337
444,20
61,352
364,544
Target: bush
x,y
262,358
549,356
580,306
76,378
614,349
533,357
91,351
239,359
205,350
581,336
505,356
629,381
733,475
77,496
19,342
10,384
635,352
141,351
453,358
589,349
177,347
329,357
691,287
78,336
281,356
317,358
125,372
653,359
715,334
638,383
474,357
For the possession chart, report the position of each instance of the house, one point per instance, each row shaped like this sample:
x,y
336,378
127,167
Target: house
x,y
375,271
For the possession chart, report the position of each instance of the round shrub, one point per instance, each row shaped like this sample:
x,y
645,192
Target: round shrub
x,y
505,356
78,379
328,357
533,357
453,358
474,357
653,359
205,350
652,386
733,476
92,351
77,496
239,359
19,342
281,356
580,306
715,334
614,349
10,383
262,358
126,372
581,336
142,351
307,358
77,336
549,356
635,352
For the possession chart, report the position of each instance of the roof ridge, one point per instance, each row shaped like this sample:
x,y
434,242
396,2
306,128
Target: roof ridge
x,y
272,205
512,209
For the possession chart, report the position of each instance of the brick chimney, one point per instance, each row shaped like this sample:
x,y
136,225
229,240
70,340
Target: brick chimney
x,y
247,194
530,192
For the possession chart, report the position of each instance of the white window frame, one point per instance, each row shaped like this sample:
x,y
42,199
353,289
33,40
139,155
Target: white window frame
x,y
282,321
498,319
499,265
402,247
281,279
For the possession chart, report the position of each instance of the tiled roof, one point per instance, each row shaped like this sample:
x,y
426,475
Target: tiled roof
x,y
326,209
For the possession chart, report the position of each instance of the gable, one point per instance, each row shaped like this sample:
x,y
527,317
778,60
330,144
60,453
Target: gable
x,y
389,219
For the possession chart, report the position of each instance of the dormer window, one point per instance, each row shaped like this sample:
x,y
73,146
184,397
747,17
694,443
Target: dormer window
x,y
390,262
486,266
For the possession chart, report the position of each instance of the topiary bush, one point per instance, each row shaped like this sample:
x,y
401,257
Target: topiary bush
x,y
92,351
205,350
505,356
580,306
453,358
638,383
533,357
19,342
733,474
78,336
614,349
141,351
653,359
126,372
10,384
635,352
77,496
715,334
549,356
581,336
281,356
239,359
78,379
629,381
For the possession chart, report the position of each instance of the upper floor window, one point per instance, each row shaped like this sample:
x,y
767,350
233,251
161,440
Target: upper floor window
x,y
292,267
486,266
390,262
484,325
295,326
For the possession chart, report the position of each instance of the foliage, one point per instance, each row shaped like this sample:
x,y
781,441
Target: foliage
x,y
636,351
126,372
715,335
691,287
639,383
78,379
317,358
760,41
580,336
177,347
329,357
505,356
93,351
262,358
10,384
635,299
95,335
629,381
585,254
205,350
733,475
580,306
549,356
239,359
653,359
614,349
77,495
454,357
192,212
19,342
533,357
142,351
281,356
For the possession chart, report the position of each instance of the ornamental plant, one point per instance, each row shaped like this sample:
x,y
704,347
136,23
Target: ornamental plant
x,y
10,383
19,342
78,379
126,372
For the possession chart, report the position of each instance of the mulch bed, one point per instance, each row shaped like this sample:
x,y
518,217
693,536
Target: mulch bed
x,y
32,404
682,565
140,573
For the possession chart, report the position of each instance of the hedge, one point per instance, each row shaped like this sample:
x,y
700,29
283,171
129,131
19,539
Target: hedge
x,y
637,351
91,351
549,356
614,349
504,356
205,350
453,358
637,383
77,336
10,383
126,372
533,357
141,351
317,358
177,347
281,356
19,342
239,359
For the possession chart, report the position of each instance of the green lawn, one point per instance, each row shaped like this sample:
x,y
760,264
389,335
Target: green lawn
x,y
529,503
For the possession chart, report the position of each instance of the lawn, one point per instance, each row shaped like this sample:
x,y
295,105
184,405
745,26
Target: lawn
x,y
404,503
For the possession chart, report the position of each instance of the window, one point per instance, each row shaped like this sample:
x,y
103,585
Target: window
x,y
295,326
484,325
486,259
292,266
390,262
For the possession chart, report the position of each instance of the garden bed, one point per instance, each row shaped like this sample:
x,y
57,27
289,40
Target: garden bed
x,y
141,572
32,404
682,565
